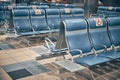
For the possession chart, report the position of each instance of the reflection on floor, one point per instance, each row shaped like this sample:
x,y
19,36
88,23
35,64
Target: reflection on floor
x,y
21,64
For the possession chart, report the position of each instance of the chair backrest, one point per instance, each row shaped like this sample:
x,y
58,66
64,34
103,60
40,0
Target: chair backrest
x,y
21,21
42,7
106,8
109,11
53,18
2,18
98,33
21,7
77,12
32,6
70,5
66,13
117,9
60,5
38,6
114,30
35,3
52,5
22,4
38,19
7,12
76,35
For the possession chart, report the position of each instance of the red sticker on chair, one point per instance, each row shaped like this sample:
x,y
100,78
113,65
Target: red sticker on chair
x,y
67,10
34,7
10,7
110,8
37,11
98,21
66,5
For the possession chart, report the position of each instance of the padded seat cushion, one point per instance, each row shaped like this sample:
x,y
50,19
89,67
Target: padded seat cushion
x,y
111,54
91,60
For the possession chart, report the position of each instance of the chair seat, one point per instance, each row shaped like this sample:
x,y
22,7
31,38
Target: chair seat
x,y
26,33
111,54
91,60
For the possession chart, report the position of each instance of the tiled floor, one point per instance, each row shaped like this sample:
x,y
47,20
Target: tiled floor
x,y
24,55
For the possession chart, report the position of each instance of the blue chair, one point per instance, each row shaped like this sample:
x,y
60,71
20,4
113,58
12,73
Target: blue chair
x,y
21,4
79,44
7,12
59,45
60,5
38,21
32,6
42,7
77,12
2,18
21,22
113,31
52,5
53,19
21,7
108,11
69,5
65,13
98,33
103,8
43,3
34,3
117,9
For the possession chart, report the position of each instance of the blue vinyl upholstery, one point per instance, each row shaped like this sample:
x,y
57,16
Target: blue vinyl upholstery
x,y
38,6
76,35
118,9
98,33
38,21
53,19
7,12
77,39
32,6
109,11
114,29
22,4
77,12
60,5
42,7
21,22
2,18
70,5
21,7
66,13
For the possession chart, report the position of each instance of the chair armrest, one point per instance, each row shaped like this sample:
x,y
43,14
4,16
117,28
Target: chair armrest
x,y
47,41
104,46
72,57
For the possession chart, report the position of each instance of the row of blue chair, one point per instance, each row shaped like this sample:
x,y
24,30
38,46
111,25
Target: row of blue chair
x,y
93,40
37,21
5,13
5,10
109,11
106,8
54,5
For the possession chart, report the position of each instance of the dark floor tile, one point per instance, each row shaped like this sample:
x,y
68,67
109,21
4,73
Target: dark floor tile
x,y
19,74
